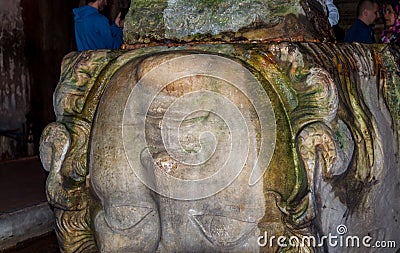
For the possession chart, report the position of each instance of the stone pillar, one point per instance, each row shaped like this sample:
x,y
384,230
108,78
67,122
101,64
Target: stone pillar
x,y
14,76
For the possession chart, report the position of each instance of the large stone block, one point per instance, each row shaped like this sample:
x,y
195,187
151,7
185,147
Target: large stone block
x,y
226,20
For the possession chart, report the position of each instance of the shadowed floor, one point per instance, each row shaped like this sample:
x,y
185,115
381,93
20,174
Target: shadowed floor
x,y
44,244
22,184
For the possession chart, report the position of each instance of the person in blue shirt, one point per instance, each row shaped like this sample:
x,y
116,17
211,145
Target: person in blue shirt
x,y
361,30
92,29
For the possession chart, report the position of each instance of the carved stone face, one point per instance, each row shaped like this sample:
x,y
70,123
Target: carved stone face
x,y
174,158
169,149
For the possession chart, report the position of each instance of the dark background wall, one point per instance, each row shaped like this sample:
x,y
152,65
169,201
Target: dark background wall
x,y
14,78
35,35
49,35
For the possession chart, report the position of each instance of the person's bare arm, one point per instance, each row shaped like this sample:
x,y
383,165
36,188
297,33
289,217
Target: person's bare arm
x,y
118,21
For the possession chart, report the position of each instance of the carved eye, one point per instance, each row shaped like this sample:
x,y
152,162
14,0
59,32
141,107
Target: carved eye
x,y
123,217
221,230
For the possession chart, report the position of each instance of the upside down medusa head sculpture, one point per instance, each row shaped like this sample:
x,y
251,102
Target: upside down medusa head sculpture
x,y
215,130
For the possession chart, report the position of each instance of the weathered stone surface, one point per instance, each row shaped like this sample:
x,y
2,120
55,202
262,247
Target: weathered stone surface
x,y
14,80
14,76
131,126
226,20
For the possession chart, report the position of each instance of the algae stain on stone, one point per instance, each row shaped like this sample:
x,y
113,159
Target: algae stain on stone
x,y
184,18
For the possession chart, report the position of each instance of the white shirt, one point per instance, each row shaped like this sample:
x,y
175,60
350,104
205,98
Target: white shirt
x,y
333,12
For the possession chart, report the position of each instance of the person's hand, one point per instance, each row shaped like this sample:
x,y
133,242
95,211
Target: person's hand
x,y
118,21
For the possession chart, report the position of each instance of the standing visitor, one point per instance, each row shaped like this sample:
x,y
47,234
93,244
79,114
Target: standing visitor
x,y
361,30
92,29
391,33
